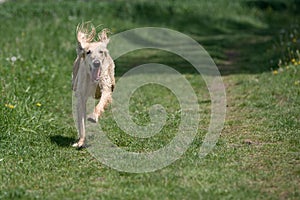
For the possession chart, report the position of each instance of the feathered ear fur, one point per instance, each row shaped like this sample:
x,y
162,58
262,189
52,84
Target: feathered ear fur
x,y
102,37
85,34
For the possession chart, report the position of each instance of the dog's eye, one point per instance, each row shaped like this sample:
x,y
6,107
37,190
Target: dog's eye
x,y
88,52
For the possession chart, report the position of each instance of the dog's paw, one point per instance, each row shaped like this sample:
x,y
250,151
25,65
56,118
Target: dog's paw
x,y
92,118
75,145
78,145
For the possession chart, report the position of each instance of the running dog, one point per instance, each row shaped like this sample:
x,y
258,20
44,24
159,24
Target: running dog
x,y
93,75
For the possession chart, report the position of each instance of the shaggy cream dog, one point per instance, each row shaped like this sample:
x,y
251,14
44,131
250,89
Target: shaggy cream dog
x,y
93,75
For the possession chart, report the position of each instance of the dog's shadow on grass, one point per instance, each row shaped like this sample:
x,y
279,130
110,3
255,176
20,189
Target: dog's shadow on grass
x,y
62,141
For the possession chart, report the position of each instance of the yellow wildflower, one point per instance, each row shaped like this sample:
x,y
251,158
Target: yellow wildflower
x,y
275,72
287,67
297,82
38,104
10,106
294,40
293,60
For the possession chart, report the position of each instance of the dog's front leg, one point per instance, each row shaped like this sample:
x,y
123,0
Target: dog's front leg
x,y
81,116
106,98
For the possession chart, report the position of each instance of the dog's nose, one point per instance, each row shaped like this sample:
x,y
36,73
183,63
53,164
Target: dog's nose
x,y
96,63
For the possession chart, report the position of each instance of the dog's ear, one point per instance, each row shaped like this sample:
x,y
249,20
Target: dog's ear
x,y
81,36
102,36
85,34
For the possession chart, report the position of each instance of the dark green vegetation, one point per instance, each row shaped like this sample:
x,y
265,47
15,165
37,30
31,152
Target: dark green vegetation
x,y
257,155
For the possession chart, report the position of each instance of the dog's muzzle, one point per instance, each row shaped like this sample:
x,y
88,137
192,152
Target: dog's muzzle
x,y
96,63
96,70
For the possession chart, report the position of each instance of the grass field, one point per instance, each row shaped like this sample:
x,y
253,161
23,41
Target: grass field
x,y
258,153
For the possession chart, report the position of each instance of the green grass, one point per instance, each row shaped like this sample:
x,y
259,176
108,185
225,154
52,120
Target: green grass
x,y
256,157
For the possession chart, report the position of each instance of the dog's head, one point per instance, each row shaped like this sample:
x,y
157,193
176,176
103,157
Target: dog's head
x,y
93,52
